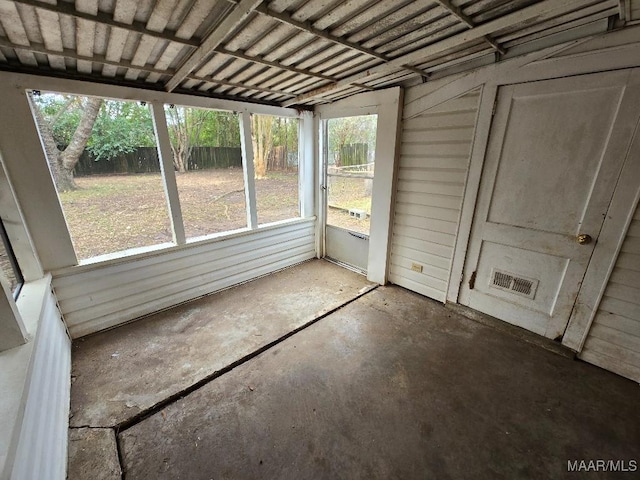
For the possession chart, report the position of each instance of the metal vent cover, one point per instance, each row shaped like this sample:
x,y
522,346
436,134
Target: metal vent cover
x,y
513,283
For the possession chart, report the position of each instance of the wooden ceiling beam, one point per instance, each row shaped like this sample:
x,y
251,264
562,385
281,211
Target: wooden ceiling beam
x,y
461,16
209,44
536,12
307,27
100,59
64,8
68,53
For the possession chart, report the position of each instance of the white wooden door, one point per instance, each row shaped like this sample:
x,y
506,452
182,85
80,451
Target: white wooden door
x,y
554,155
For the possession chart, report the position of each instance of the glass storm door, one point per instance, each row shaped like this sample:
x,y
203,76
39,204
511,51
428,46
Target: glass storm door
x,y
349,166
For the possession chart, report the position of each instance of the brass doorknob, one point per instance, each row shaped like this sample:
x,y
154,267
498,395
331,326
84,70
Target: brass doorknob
x,y
584,239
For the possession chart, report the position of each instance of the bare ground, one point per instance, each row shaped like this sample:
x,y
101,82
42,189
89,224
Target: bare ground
x,y
116,212
349,193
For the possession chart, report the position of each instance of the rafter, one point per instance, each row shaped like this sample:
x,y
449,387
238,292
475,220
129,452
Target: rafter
x,y
64,8
240,85
287,19
68,53
104,18
537,11
101,59
212,41
257,59
460,15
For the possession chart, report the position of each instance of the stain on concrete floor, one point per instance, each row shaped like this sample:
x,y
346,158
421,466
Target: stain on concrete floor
x,y
393,385
120,373
94,454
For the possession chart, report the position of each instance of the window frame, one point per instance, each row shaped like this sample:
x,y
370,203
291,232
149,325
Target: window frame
x,y
157,100
17,271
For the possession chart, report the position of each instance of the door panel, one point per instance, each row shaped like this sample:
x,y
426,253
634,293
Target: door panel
x,y
350,248
551,145
551,165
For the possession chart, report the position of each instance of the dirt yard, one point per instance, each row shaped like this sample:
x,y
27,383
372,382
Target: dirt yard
x,y
112,213
347,193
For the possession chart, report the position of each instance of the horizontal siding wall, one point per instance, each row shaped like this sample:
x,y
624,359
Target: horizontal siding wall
x,y
99,298
614,338
434,157
42,445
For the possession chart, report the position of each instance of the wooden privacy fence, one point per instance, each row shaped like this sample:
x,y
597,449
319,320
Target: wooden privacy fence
x,y
280,158
353,154
204,158
145,160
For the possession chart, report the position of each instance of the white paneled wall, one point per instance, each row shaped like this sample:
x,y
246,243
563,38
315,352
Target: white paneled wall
x,y
614,338
42,443
96,298
434,157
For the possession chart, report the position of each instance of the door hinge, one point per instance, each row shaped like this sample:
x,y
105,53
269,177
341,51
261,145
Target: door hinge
x,y
472,280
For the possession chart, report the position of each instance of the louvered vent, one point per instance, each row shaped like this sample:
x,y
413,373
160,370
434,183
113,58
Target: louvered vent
x,y
502,280
514,284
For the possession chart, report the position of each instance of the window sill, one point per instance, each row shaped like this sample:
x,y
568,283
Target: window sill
x,y
155,250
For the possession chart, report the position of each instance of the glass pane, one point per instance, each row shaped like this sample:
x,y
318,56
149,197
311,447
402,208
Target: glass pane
x,y
351,143
275,160
103,158
208,161
8,263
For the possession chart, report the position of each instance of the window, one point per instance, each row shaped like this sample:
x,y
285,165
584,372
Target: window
x,y
207,158
351,143
9,264
104,162
275,160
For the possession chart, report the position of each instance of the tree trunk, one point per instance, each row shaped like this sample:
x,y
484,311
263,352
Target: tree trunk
x,y
68,159
262,139
63,163
50,148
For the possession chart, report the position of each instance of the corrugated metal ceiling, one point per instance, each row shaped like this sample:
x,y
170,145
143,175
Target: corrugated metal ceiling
x,y
283,52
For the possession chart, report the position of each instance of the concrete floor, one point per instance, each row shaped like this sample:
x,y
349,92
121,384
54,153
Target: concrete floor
x,y
392,385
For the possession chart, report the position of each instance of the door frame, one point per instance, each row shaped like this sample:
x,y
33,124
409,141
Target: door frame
x,y
613,230
387,104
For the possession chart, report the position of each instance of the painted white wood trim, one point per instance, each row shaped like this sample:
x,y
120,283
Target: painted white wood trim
x,y
157,254
605,254
35,381
471,188
320,160
17,232
614,57
387,104
449,88
12,330
306,165
366,103
28,173
41,450
168,172
607,51
14,372
76,87
248,169
383,190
